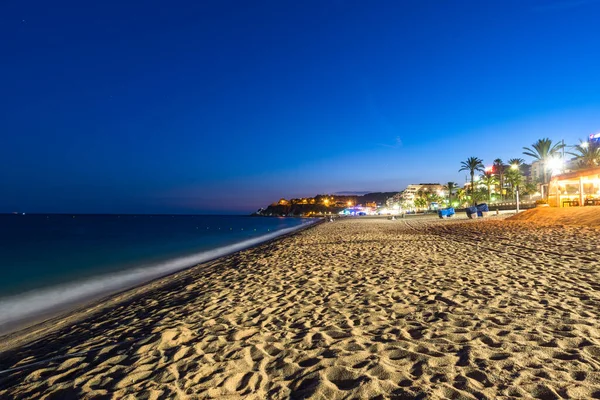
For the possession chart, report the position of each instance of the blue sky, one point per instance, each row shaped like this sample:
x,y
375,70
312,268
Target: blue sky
x,y
226,106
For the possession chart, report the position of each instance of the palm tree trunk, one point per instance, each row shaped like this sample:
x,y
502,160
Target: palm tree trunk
x,y
545,189
472,188
545,173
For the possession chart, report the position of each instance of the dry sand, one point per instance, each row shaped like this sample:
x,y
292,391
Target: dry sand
x,y
571,216
359,308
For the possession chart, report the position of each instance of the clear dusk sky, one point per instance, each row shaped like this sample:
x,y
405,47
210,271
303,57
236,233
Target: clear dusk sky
x,y
226,106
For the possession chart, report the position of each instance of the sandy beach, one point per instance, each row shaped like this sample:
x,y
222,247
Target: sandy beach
x,y
357,308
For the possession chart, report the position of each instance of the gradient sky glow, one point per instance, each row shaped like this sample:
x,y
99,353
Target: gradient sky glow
x,y
225,106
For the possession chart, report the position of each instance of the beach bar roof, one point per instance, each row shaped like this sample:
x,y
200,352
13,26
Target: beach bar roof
x,y
577,188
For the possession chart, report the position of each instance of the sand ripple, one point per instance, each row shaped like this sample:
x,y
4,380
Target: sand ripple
x,y
360,308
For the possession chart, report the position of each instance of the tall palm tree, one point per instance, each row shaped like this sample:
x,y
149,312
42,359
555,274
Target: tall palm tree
x,y
450,187
543,150
516,161
514,178
588,154
488,179
498,168
472,164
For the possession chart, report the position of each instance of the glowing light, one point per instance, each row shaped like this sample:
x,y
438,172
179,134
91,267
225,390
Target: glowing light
x,y
489,169
514,166
585,145
555,164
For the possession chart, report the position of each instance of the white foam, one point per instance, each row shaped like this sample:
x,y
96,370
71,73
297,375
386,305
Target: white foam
x,y
41,302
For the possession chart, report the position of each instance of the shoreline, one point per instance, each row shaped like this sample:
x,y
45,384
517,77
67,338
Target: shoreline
x,y
71,312
421,307
68,311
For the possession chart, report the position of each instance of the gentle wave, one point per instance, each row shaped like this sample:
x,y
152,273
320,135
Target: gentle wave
x,y
40,302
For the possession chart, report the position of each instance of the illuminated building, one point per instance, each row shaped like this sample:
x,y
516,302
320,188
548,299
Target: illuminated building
x,y
577,188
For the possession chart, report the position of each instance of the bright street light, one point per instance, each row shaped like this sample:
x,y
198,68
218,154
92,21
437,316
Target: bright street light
x,y
555,164
516,167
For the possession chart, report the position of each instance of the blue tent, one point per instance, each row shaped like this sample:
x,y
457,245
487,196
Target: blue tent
x,y
446,212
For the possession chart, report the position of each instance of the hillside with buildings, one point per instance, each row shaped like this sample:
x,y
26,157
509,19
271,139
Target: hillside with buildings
x,y
325,204
500,185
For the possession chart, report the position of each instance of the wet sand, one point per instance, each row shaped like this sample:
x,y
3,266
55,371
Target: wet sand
x,y
358,308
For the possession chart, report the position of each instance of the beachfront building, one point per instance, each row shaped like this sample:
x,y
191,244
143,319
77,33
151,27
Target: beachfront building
x,y
394,200
412,191
527,171
577,188
425,193
392,206
536,173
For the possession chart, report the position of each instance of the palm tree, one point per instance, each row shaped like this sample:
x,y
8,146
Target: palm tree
x,y
516,161
472,164
461,195
489,179
498,169
529,188
514,177
433,198
588,154
480,194
543,150
450,187
420,202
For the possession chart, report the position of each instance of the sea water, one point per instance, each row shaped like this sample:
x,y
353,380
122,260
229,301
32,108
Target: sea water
x,y
50,261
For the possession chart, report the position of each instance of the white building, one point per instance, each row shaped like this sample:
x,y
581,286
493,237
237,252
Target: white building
x,y
394,200
409,194
537,171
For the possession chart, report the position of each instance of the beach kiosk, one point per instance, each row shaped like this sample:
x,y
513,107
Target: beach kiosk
x,y
577,188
